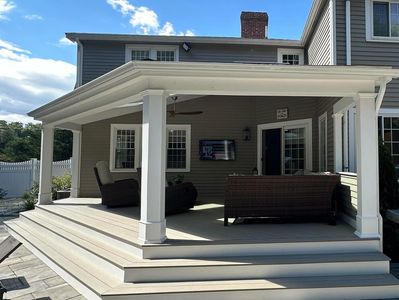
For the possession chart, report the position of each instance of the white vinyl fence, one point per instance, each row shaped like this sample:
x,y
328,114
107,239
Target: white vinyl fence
x,y
17,178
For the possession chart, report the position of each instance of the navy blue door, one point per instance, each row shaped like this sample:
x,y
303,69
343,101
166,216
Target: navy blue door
x,y
271,152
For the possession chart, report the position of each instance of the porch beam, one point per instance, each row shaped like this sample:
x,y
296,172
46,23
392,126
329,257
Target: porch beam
x,y
337,120
368,216
152,226
76,154
46,165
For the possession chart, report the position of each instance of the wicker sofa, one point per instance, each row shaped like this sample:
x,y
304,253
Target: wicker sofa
x,y
280,196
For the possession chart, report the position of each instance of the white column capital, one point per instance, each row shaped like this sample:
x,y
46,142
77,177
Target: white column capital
x,y
338,115
153,92
365,97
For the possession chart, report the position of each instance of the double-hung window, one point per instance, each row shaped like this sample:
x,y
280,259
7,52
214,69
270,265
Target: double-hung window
x,y
178,148
152,52
382,19
125,148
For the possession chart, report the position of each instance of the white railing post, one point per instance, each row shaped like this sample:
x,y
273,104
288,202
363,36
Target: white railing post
x,y
33,170
46,165
152,226
368,214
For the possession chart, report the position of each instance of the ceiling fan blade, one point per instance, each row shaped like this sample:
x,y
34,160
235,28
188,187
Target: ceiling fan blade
x,y
189,113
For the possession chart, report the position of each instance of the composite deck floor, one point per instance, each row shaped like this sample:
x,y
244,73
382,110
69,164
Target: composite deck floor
x,y
204,223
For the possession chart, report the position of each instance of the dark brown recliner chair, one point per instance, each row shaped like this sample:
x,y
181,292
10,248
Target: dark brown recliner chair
x,y
116,193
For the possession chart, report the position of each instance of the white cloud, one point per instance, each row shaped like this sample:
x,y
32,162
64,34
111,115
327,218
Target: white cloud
x,y
16,118
144,19
33,17
27,82
5,8
64,42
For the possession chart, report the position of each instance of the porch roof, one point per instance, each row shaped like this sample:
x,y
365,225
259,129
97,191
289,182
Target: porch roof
x,y
127,84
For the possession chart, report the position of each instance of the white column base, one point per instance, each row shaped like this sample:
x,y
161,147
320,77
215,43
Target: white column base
x,y
152,232
74,193
45,199
367,227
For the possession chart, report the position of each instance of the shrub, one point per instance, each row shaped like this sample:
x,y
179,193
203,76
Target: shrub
x,y
30,197
388,181
61,183
3,193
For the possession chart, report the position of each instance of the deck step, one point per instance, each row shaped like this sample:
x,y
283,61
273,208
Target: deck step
x,y
83,274
230,268
310,288
201,249
92,227
74,233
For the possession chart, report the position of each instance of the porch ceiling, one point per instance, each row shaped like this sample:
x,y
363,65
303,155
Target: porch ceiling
x,y
128,83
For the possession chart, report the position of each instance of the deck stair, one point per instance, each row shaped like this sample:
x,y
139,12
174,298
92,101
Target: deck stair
x,y
101,258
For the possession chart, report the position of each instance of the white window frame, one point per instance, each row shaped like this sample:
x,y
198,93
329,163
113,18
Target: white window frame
x,y
303,123
137,143
324,118
187,128
152,49
290,51
370,23
138,148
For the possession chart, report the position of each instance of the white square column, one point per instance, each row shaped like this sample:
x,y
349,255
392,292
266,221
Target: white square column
x,y
368,212
152,226
76,150
46,165
337,119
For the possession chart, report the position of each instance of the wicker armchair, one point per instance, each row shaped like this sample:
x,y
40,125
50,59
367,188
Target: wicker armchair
x,y
118,193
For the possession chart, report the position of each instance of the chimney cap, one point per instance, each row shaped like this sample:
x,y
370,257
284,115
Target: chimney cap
x,y
261,16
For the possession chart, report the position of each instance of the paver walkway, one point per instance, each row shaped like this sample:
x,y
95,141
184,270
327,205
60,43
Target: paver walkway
x,y
27,277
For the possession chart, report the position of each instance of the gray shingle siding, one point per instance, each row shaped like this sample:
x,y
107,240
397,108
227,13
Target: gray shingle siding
x,y
100,57
363,52
319,45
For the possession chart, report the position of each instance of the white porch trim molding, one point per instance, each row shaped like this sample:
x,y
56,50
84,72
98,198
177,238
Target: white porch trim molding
x,y
153,82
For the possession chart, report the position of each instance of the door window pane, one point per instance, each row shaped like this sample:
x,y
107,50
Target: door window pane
x,y
381,18
294,152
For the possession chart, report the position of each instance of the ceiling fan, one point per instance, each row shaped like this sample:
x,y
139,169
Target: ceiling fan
x,y
173,113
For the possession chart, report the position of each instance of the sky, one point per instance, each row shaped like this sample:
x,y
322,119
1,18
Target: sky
x,y
38,64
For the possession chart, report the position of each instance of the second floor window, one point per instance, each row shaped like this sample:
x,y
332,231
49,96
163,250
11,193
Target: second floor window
x,y
156,53
385,19
290,56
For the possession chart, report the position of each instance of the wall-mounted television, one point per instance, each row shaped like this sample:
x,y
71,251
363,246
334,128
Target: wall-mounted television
x,y
217,149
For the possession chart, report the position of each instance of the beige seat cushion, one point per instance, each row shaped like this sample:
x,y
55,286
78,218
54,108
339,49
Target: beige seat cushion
x,y
104,173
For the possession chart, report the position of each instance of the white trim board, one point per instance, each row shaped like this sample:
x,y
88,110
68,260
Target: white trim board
x,y
305,123
322,118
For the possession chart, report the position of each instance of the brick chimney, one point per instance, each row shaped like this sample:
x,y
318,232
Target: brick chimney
x,y
254,25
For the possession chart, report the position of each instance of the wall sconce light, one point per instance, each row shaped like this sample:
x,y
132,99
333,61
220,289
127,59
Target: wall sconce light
x,y
186,47
246,134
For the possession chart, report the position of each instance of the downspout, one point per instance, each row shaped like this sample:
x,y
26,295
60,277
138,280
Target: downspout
x,y
79,64
348,34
